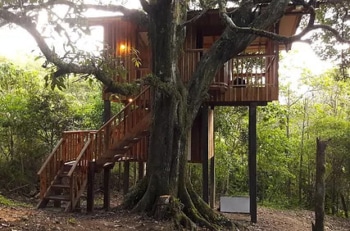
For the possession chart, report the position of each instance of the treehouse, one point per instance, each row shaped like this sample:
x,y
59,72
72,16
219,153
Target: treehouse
x,y
249,79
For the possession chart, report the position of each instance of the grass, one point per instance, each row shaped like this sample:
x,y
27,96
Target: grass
x,y
8,202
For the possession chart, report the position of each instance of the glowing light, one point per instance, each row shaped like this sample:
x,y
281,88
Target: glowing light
x,y
130,100
122,47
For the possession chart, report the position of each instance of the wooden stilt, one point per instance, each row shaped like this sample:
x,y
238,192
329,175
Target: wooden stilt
x,y
57,203
106,110
141,169
212,182
90,187
119,176
106,189
204,153
135,172
126,177
252,162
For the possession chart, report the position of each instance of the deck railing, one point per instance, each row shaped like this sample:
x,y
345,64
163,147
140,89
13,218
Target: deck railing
x,y
67,149
247,77
250,70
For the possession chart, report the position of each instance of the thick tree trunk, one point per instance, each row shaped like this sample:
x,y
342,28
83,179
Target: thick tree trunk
x,y
174,108
168,135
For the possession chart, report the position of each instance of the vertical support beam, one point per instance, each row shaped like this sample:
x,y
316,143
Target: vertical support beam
x,y
119,176
106,116
204,152
126,177
106,111
135,173
212,182
252,162
90,187
57,203
106,189
141,170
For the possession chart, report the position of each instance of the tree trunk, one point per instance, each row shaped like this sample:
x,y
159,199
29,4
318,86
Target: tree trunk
x,y
174,108
320,185
345,207
301,158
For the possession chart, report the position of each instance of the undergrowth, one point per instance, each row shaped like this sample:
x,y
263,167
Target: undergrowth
x,y
8,202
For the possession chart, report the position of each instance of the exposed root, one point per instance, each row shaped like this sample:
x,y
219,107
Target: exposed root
x,y
208,213
135,194
192,212
180,219
187,211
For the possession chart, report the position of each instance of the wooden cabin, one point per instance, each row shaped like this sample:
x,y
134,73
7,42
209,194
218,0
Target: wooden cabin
x,y
251,78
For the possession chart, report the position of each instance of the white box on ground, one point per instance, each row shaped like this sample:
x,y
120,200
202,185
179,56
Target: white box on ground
x,y
234,204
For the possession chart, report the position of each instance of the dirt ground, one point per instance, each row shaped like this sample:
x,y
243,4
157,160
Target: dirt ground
x,y
20,218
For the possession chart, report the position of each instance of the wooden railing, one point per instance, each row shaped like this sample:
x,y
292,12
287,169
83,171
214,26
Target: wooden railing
x,y
123,126
247,77
67,149
78,174
251,69
97,145
82,147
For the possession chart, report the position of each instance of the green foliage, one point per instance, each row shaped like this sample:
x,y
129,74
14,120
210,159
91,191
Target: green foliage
x,y
287,135
336,15
7,202
33,118
231,137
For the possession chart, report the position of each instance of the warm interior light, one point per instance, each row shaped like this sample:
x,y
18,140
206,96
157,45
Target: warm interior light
x,y
122,47
130,100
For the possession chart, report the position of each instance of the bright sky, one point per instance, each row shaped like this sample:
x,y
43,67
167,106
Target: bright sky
x,y
17,44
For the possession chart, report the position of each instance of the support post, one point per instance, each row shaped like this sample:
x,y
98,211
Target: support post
x,y
90,187
126,177
212,182
141,169
57,203
252,162
106,189
106,110
204,152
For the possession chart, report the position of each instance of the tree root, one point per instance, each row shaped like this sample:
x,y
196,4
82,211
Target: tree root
x,y
187,211
207,213
195,212
135,194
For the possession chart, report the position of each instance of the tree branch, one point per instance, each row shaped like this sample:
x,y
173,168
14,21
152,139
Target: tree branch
x,y
283,39
63,67
195,18
145,5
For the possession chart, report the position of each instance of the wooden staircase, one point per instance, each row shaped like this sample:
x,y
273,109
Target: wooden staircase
x,y
63,176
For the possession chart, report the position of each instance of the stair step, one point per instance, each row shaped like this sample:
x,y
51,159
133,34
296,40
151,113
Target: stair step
x,y
60,186
58,197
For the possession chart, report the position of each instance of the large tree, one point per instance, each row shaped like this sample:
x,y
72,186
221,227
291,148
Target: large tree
x,y
175,104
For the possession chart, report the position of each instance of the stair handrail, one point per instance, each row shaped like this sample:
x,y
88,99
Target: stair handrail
x,y
64,151
44,172
50,156
77,175
118,122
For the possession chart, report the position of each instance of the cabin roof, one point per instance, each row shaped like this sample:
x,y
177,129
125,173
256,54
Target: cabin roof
x,y
211,24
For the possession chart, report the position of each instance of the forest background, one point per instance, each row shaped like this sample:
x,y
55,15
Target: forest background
x,y
313,104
